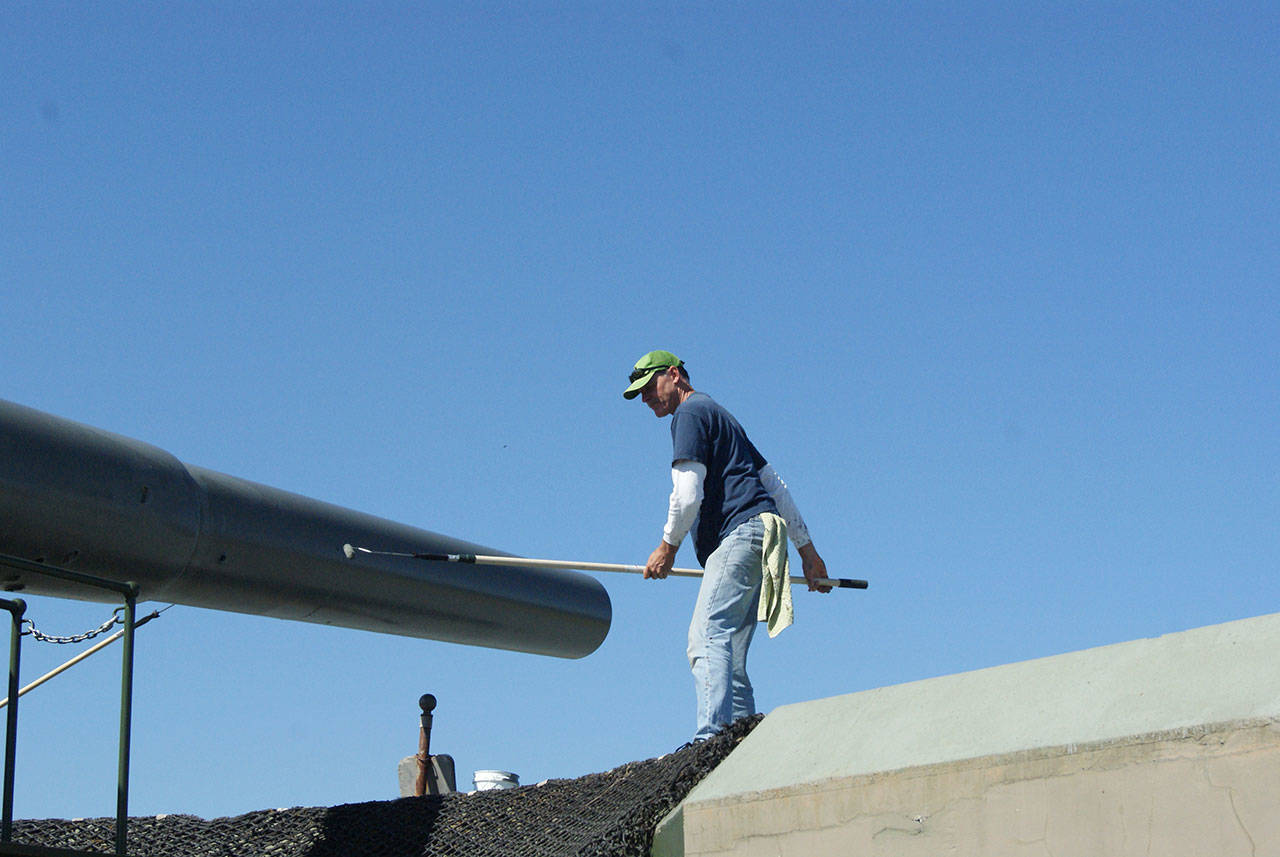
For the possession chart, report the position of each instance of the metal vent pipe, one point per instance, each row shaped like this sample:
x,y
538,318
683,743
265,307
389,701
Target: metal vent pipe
x,y
89,500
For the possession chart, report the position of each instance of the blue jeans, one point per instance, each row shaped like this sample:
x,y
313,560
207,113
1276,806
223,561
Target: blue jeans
x,y
724,620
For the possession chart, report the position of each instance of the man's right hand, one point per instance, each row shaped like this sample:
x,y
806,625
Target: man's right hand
x,y
660,561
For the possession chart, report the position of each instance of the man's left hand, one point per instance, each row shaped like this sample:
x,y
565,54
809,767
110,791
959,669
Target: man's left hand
x,y
814,568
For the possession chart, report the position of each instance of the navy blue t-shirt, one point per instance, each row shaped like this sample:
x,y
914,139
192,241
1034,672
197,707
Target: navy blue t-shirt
x,y
703,431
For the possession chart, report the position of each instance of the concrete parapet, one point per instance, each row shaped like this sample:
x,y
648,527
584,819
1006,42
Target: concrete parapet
x,y
1166,746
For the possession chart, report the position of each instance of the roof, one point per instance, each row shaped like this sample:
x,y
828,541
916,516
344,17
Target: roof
x,y
613,813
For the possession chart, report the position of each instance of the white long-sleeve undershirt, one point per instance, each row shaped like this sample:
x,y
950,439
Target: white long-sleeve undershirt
x,y
686,499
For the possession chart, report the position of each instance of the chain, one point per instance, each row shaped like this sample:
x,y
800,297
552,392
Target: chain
x,y
116,619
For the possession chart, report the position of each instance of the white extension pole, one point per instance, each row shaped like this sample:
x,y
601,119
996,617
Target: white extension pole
x,y
566,565
571,565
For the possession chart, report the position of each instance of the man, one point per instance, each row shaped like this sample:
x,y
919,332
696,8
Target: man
x,y
721,483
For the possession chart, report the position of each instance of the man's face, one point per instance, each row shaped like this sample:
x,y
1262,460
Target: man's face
x,y
660,394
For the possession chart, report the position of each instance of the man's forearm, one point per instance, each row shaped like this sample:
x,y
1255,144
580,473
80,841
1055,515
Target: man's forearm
x,y
686,498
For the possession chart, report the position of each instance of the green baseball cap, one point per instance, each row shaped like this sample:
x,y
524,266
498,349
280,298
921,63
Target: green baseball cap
x,y
648,366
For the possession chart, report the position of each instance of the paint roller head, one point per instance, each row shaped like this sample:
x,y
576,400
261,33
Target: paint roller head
x,y
349,551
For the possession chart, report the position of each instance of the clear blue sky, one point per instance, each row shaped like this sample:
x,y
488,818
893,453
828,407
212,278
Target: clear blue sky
x,y
996,287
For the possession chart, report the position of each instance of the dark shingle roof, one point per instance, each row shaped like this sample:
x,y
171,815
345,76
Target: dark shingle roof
x,y
613,813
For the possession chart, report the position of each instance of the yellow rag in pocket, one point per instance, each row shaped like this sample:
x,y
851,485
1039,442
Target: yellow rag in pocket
x,y
775,582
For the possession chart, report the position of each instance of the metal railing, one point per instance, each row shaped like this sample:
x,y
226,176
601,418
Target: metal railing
x,y
17,607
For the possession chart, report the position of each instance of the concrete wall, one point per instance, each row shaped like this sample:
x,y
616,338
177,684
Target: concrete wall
x,y
1163,747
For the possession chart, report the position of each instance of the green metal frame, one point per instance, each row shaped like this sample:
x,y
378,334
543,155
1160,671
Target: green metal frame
x,y
17,607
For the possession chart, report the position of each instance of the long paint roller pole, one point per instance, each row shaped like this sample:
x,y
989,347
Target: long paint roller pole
x,y
524,562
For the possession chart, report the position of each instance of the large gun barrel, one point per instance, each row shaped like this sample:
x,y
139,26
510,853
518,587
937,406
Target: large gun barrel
x,y
92,501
